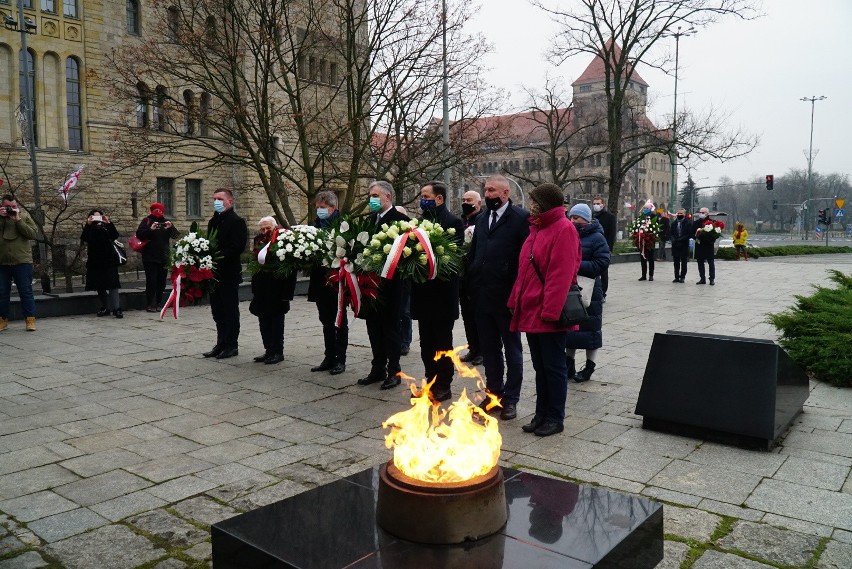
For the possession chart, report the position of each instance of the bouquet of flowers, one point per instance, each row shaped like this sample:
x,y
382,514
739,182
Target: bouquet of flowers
x,y
345,243
710,231
416,250
193,264
298,248
644,231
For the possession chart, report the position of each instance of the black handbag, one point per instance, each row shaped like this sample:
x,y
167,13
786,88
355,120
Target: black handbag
x,y
574,310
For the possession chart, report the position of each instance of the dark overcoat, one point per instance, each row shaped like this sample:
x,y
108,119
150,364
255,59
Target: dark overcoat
x,y
102,262
438,299
595,261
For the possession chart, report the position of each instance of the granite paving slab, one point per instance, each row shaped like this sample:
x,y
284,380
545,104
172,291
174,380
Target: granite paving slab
x,y
102,487
175,531
27,560
204,510
802,502
837,555
707,481
109,547
717,560
34,506
779,546
689,523
66,524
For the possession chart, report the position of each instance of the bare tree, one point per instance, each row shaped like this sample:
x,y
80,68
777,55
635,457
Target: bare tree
x,y
623,34
294,92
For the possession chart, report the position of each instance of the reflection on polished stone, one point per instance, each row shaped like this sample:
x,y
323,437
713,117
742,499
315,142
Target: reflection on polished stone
x,y
551,523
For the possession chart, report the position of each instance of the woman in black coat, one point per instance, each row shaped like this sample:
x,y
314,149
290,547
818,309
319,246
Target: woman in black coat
x,y
271,295
595,261
102,264
157,231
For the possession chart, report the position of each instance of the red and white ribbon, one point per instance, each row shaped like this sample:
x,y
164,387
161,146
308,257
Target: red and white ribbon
x,y
174,297
346,280
261,255
398,247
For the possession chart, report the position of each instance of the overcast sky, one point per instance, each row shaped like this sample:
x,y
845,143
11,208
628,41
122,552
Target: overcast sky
x,y
755,70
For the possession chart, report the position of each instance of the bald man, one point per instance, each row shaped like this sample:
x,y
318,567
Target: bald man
x,y
471,208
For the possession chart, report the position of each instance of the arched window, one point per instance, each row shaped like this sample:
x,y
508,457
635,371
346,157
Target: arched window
x,y
143,103
173,21
72,94
210,30
204,113
133,17
526,165
160,118
27,74
189,112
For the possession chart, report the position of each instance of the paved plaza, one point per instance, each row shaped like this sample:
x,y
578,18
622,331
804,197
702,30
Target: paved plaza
x,y
120,444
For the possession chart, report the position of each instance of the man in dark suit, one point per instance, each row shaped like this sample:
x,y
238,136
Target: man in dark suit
x,y
231,238
608,223
435,303
681,233
471,208
383,319
492,269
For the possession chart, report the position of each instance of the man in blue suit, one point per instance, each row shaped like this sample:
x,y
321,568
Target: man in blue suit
x,y
492,269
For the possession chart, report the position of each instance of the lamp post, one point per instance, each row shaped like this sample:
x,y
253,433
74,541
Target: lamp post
x,y
27,107
813,101
446,120
676,35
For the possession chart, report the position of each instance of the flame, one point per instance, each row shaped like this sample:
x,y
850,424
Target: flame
x,y
434,444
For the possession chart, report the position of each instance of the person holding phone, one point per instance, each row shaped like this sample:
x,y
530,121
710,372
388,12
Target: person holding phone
x,y
17,229
157,231
102,263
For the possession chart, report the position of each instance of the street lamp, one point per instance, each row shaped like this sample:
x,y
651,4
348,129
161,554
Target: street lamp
x,y
676,35
813,101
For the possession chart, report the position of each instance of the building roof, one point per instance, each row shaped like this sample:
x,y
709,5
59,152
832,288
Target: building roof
x,y
596,71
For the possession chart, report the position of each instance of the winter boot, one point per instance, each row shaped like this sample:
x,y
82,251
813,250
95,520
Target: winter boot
x,y
586,373
572,370
30,320
4,323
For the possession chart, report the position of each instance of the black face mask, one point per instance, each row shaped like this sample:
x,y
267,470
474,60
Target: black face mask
x,y
493,203
680,217
467,209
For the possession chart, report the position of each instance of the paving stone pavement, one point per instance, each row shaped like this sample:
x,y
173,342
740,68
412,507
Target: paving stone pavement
x,y
120,445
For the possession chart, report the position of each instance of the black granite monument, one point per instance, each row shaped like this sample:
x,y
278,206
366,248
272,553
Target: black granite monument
x,y
551,524
742,391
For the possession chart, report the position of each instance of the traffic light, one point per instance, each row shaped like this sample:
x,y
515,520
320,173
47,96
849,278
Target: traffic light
x,y
822,217
770,181
774,204
715,206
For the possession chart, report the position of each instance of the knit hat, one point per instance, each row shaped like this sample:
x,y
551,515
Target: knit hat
x,y
581,210
157,205
548,196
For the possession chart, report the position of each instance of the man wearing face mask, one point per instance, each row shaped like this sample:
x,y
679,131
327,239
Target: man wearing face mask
x,y
646,248
681,232
231,237
383,317
336,339
492,263
608,224
471,208
704,250
435,303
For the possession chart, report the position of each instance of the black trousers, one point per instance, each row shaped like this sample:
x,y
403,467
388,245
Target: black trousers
x,y
469,321
225,305
605,280
711,263
647,263
680,265
435,336
155,282
272,333
336,339
385,343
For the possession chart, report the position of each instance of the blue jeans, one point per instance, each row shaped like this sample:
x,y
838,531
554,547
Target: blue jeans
x,y
22,274
547,351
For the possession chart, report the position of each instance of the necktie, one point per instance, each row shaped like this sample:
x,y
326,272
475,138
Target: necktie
x,y
493,220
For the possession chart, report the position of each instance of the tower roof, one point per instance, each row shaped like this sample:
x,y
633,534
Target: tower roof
x,y
596,71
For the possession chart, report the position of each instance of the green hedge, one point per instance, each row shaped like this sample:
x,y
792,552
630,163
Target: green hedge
x,y
729,253
817,331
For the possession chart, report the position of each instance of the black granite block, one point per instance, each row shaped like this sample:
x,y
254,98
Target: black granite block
x,y
551,523
743,391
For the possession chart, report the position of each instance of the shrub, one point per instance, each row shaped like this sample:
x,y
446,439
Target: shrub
x,y
729,253
817,331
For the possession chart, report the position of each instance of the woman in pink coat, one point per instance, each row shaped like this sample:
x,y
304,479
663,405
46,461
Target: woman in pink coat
x,y
553,248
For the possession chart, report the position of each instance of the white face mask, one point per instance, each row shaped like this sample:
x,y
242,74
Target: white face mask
x,y
597,207
702,215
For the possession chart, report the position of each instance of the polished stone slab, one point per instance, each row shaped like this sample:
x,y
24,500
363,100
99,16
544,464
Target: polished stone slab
x,y
551,523
744,391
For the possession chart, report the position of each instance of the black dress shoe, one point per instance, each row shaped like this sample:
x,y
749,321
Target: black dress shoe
x,y
477,361
469,357
509,412
337,369
391,382
103,312
549,428
326,365
403,351
215,351
261,359
651,278
532,425
274,359
712,282
227,353
676,280
642,279
442,395
370,379
702,281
